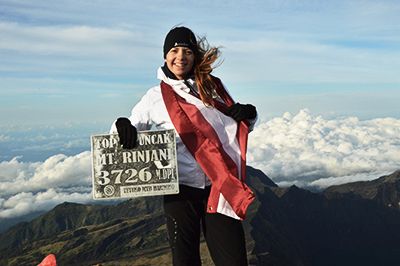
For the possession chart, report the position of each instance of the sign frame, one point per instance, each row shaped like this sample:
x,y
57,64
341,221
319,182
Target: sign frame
x,y
149,169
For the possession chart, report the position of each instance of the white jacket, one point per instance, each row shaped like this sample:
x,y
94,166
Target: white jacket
x,y
150,113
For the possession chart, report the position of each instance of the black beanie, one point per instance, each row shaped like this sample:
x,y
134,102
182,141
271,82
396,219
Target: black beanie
x,y
180,37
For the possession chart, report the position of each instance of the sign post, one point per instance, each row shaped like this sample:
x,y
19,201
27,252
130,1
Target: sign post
x,y
147,170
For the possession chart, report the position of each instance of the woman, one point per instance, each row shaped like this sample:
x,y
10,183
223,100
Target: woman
x,y
211,146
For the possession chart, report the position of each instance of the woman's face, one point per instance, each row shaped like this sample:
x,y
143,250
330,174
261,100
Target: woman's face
x,y
180,61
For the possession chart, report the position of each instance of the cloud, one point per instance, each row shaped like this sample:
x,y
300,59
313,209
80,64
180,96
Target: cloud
x,y
27,202
4,138
330,181
285,57
58,171
26,187
57,58
78,41
310,150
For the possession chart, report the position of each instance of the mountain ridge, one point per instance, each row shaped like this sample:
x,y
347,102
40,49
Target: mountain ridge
x,y
284,226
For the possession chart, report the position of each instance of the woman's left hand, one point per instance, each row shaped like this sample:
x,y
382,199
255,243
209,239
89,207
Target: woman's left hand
x,y
241,112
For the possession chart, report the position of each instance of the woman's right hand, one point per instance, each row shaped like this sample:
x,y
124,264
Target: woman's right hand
x,y
127,133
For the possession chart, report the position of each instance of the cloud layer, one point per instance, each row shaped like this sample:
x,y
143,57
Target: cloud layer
x,y
26,187
301,149
310,150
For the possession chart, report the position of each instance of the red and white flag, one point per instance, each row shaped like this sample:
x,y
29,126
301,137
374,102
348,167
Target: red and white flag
x,y
217,142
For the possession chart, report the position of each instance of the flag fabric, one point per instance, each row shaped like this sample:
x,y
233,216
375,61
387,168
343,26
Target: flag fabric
x,y
218,143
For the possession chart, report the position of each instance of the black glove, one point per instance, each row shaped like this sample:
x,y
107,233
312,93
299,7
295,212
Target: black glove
x,y
241,112
126,132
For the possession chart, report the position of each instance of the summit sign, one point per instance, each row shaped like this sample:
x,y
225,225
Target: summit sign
x,y
147,170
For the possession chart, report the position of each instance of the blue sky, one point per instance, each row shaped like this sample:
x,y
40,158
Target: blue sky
x,y
90,61
324,76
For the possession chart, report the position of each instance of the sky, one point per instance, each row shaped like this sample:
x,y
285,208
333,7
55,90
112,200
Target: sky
x,y
322,74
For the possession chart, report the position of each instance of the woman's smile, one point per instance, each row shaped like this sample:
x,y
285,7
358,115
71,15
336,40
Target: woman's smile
x,y
180,61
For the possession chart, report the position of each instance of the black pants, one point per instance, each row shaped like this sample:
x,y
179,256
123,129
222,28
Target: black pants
x,y
186,213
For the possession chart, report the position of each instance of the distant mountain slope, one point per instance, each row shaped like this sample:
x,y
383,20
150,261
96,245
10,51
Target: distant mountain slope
x,y
7,223
285,226
81,233
385,190
304,228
